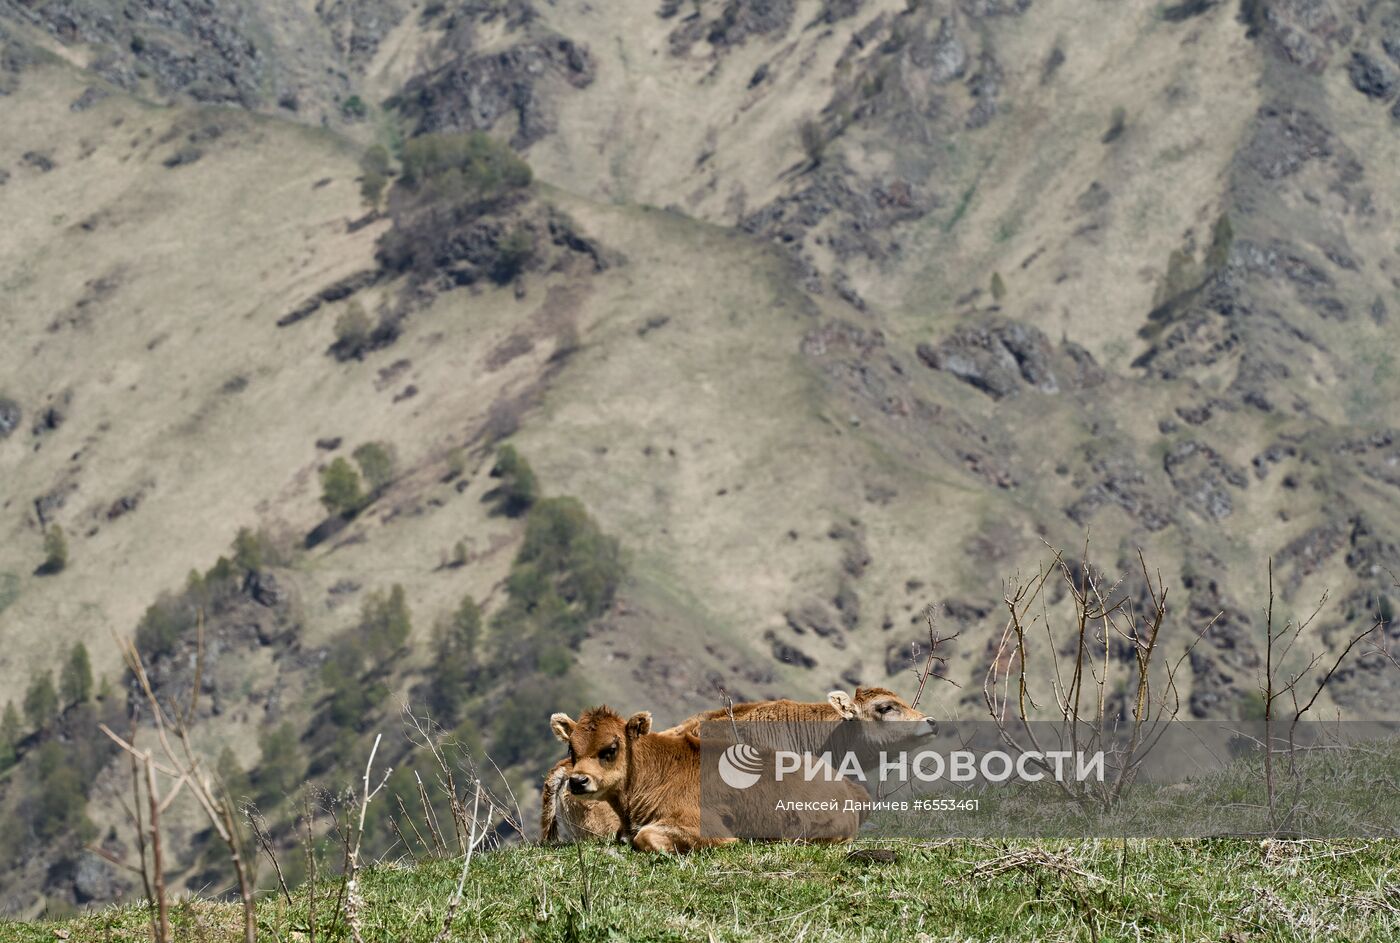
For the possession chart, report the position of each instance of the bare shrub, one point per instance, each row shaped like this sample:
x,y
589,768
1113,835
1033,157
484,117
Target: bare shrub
x,y
1085,673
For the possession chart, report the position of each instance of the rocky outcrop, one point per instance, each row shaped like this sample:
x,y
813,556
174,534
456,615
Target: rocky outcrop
x,y
455,246
1224,662
1285,138
788,653
965,616
732,25
476,91
200,48
862,214
1003,358
338,291
1118,481
359,26
1203,478
1303,33
1370,76
1377,456
816,618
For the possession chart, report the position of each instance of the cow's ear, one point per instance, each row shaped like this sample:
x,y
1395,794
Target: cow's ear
x,y
639,724
562,725
843,704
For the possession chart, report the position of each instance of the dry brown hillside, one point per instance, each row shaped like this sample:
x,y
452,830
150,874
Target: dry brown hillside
x,y
823,311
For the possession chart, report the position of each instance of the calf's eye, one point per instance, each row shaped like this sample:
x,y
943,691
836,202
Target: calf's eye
x,y
608,755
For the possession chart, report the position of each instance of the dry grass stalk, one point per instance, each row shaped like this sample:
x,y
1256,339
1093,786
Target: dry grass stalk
x,y
1032,859
353,901
424,734
476,836
264,840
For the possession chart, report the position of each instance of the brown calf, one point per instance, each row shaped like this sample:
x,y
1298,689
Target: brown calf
x,y
651,781
565,819
805,726
779,725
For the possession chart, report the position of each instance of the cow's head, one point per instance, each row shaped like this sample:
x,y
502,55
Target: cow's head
x,y
881,705
599,743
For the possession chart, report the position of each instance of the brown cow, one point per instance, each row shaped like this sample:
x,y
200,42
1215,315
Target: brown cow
x,y
565,819
805,726
651,781
778,725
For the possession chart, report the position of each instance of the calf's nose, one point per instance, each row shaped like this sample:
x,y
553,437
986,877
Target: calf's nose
x,y
579,784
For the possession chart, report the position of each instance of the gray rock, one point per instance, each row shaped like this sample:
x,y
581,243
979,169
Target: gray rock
x,y
736,22
834,11
999,359
1202,477
949,55
816,618
984,8
39,160
1120,482
984,87
90,96
1370,76
360,25
863,212
1302,32
96,880
264,589
10,416
476,90
123,505
49,420
787,653
1284,140
202,48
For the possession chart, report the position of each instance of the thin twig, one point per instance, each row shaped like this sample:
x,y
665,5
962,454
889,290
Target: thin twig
x,y
456,900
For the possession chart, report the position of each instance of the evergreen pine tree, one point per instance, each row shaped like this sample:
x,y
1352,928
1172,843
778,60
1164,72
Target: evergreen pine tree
x,y
55,551
340,488
75,684
41,701
9,736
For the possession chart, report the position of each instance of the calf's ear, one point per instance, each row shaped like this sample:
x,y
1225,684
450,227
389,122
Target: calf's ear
x,y
562,726
843,704
639,724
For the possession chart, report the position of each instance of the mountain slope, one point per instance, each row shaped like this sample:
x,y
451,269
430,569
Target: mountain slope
x,y
831,310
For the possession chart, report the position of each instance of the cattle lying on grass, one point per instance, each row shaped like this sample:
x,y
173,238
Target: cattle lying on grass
x,y
565,819
651,782
806,727
800,726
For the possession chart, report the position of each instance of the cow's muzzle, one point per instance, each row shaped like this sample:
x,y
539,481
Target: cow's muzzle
x,y
581,785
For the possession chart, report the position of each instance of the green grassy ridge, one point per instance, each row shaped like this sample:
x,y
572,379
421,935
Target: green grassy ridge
x,y
1222,889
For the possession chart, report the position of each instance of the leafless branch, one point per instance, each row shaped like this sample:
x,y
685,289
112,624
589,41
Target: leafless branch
x,y
934,659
